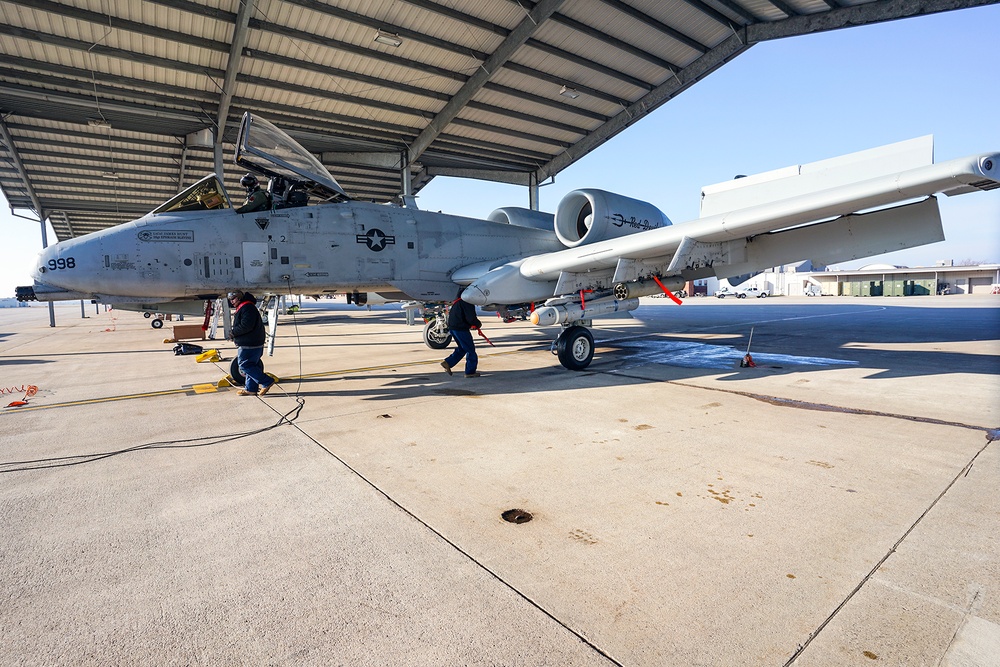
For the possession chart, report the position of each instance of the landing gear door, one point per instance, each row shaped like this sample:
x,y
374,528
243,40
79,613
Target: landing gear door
x,y
256,266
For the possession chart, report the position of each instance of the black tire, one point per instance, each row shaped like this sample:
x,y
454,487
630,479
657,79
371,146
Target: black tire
x,y
235,374
575,348
436,338
721,296
741,296
762,295
147,315
157,323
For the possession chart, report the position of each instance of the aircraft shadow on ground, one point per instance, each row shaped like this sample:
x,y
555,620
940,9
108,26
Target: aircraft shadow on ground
x,y
779,347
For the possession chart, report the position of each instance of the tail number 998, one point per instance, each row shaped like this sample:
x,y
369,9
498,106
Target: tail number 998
x,y
62,263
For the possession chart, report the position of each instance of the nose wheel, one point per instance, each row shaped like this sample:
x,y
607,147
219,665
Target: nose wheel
x,y
575,348
235,374
436,334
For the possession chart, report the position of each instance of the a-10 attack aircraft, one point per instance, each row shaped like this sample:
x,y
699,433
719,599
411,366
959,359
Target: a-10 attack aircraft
x,y
595,256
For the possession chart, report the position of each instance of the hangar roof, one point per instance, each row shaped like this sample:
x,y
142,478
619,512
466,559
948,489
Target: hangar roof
x,y
109,107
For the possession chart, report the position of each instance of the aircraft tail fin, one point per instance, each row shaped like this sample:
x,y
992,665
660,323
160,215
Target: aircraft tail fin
x,y
743,192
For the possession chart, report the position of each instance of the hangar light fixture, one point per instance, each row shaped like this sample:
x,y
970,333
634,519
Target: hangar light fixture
x,y
110,175
387,38
571,93
98,122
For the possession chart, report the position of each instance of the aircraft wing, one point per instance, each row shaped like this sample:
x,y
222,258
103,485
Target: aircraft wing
x,y
828,211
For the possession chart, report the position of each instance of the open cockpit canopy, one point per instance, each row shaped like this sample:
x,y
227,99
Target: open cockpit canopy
x,y
264,149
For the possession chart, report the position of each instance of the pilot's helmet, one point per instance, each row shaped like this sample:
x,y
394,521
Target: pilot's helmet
x,y
248,181
237,295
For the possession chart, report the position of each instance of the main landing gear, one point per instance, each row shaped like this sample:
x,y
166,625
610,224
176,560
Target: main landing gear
x,y
575,347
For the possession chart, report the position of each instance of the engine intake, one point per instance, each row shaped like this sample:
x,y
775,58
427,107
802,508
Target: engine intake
x,y
588,216
522,217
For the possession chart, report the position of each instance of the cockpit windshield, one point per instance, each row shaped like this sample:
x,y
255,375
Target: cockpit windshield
x,y
264,149
204,195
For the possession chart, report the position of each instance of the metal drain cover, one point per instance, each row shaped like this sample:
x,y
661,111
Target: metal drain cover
x,y
516,516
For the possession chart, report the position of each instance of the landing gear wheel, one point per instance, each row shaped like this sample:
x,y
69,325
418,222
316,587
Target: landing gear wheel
x,y
236,375
147,315
436,335
575,348
157,323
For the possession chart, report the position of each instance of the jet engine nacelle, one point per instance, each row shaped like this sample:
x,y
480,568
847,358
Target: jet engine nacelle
x,y
588,216
522,217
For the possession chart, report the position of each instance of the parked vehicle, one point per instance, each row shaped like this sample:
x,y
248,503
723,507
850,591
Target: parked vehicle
x,y
759,292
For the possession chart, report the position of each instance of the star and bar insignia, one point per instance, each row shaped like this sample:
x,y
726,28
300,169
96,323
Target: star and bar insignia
x,y
376,239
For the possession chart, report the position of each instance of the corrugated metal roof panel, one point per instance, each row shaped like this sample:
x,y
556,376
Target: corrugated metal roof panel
x,y
573,72
601,53
154,70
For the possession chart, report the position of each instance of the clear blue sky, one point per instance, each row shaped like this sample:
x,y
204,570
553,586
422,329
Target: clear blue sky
x,y
781,103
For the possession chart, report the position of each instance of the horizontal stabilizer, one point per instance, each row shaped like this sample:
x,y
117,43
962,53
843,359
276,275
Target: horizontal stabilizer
x,y
803,179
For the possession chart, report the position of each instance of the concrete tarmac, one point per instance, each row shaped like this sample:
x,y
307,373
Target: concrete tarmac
x,y
834,505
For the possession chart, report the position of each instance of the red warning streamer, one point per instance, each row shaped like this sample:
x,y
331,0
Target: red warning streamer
x,y
480,332
672,296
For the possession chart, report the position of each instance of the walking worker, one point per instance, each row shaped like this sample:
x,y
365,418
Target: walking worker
x,y
248,334
461,320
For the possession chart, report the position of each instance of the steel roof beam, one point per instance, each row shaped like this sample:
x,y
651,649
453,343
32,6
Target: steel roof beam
x,y
299,128
365,52
527,27
737,9
844,17
673,33
24,127
389,160
15,158
785,8
727,50
375,24
614,42
495,175
414,90
119,208
558,18
119,23
111,52
736,44
589,64
563,81
56,143
239,40
559,104
243,21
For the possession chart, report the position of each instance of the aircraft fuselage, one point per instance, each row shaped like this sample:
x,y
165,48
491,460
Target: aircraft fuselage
x,y
306,250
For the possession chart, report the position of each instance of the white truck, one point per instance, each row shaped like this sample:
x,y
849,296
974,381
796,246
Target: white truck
x,y
759,292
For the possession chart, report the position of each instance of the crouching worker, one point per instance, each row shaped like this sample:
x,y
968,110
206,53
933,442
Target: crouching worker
x,y
461,320
248,334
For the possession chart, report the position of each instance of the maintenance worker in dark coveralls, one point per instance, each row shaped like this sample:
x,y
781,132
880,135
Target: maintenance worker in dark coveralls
x,y
248,334
461,319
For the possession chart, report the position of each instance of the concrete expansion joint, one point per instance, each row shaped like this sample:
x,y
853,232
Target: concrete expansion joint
x,y
868,577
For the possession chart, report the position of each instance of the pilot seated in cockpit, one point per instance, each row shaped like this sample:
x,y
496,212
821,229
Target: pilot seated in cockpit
x,y
257,199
